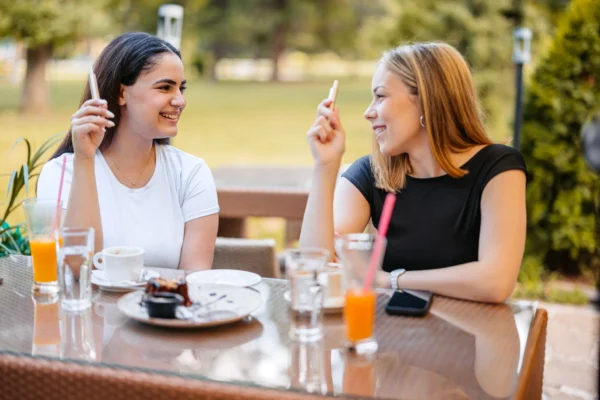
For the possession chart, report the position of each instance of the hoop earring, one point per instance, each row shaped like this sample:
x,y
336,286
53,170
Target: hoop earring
x,y
421,121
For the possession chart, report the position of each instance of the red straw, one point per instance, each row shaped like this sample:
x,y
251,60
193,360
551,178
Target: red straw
x,y
60,187
384,223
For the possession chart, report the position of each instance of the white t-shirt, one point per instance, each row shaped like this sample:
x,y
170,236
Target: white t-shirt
x,y
152,217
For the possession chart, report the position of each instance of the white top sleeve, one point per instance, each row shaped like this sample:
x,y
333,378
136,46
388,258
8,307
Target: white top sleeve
x,y
49,180
199,193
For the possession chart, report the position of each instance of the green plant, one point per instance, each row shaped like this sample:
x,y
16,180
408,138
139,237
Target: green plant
x,y
12,240
563,193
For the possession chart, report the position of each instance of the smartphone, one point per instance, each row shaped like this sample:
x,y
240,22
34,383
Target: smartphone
x,y
93,85
412,304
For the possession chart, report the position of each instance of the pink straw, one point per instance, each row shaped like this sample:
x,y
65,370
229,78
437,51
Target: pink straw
x,y
60,187
384,223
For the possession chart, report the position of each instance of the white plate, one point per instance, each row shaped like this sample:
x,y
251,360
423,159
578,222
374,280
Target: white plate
x,y
99,279
230,277
237,304
330,306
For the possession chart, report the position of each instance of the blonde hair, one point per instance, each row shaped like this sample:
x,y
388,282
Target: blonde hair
x,y
440,76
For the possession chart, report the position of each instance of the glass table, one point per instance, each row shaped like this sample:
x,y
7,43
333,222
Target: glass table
x,y
461,349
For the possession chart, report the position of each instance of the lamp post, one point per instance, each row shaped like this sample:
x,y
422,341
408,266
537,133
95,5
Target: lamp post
x,y
170,22
521,55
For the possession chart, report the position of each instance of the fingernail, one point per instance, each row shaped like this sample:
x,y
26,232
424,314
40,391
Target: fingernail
x,y
111,124
110,115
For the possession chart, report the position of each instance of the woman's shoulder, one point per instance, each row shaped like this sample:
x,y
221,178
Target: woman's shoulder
x,y
184,167
497,150
492,160
180,158
496,153
361,166
54,166
50,174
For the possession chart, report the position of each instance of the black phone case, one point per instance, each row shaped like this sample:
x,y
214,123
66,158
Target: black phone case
x,y
411,312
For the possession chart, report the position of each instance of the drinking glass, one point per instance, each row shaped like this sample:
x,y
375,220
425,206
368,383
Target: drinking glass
x,y
359,309
308,277
46,326
77,340
308,366
75,251
41,215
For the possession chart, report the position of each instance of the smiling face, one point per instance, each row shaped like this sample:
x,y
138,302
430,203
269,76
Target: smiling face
x,y
394,114
153,105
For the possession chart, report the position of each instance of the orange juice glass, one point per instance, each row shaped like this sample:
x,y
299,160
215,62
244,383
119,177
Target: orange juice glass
x,y
360,302
41,217
359,315
46,327
43,254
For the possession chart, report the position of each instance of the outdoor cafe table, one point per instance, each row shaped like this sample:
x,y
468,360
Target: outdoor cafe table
x,y
460,350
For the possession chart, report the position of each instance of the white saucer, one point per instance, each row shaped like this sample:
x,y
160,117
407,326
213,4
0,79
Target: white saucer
x,y
330,305
230,277
99,279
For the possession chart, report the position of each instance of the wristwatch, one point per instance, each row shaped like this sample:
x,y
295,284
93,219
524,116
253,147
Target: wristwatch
x,y
394,275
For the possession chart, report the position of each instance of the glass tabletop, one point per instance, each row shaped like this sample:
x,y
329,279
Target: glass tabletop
x,y
459,350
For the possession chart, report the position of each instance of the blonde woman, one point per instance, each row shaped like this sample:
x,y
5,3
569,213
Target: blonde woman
x,y
458,227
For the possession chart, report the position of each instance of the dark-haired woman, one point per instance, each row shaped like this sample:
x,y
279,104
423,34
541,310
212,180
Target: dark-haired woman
x,y
122,178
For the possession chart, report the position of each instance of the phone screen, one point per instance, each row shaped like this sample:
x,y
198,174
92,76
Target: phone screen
x,y
406,300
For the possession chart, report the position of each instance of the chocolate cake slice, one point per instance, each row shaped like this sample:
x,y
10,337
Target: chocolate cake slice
x,y
163,285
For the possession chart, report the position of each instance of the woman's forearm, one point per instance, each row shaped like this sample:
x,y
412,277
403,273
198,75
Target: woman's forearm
x,y
83,209
476,281
317,224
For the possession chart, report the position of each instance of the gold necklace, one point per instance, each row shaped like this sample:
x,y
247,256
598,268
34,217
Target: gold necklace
x,y
133,183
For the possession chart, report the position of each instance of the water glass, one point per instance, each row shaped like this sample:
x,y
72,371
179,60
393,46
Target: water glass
x,y
41,217
308,367
77,341
359,309
75,251
306,271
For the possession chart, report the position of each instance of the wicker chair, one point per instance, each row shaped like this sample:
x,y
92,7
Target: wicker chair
x,y
27,378
254,255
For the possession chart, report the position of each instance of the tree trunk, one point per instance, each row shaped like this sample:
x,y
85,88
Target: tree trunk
x,y
277,50
279,37
219,51
35,96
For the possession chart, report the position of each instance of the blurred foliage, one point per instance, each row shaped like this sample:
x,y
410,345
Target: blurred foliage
x,y
12,240
43,26
482,31
228,28
563,193
43,22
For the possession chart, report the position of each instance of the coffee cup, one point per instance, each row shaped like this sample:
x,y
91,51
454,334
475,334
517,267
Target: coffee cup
x,y
121,263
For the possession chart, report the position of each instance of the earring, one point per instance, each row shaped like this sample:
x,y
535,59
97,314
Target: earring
x,y
421,121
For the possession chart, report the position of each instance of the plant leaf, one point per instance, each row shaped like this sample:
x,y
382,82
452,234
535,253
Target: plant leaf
x,y
43,148
26,179
19,140
8,189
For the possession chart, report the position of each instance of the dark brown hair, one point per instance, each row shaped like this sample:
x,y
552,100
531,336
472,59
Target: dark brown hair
x,y
121,62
